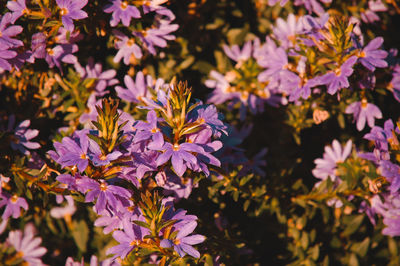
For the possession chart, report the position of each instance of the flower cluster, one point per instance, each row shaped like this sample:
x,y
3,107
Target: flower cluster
x,y
56,30
301,59
177,137
115,162
149,37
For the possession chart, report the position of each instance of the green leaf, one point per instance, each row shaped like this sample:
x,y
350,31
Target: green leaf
x,y
361,248
353,225
246,205
80,234
142,224
353,261
237,36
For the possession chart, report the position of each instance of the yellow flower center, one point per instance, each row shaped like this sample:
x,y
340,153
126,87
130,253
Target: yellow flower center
x,y
134,243
50,51
1,34
14,198
155,130
362,54
177,241
244,96
19,254
130,42
364,103
124,5
338,71
176,147
63,11
103,187
83,156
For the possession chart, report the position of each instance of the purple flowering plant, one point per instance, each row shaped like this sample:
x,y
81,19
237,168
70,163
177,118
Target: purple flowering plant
x,y
277,155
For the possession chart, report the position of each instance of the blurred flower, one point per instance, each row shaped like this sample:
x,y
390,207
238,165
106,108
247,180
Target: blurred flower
x,y
95,71
369,15
61,212
121,11
13,205
286,31
22,136
126,48
156,36
364,112
27,245
326,166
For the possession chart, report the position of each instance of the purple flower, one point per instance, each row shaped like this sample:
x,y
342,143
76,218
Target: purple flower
x,y
105,194
128,238
136,90
179,153
38,45
326,166
18,8
121,11
369,16
95,71
312,5
362,112
149,130
286,31
156,36
392,173
27,245
304,89
71,9
381,138
76,183
275,62
126,48
6,55
395,82
183,242
143,162
98,158
371,56
173,184
61,212
273,2
208,115
338,79
110,220
222,87
6,33
73,152
236,54
22,137
13,205
390,210
61,53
